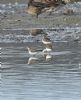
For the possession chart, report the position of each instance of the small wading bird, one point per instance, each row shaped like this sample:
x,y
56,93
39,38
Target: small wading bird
x,y
46,40
35,32
31,51
48,44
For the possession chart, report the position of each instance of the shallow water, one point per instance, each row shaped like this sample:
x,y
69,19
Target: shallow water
x,y
57,78
54,76
58,34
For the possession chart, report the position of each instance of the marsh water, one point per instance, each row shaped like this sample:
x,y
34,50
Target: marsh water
x,y
52,76
55,78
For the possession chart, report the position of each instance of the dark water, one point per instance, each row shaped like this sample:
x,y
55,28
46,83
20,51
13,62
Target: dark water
x,y
58,78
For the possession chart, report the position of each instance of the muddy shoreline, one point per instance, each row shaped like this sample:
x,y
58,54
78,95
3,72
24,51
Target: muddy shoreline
x,y
14,17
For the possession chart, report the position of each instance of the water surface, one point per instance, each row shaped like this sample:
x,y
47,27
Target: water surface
x,y
58,78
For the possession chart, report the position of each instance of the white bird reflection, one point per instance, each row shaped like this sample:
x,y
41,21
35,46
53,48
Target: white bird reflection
x,y
45,56
32,60
48,57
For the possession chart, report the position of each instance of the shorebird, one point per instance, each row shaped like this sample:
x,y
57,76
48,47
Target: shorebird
x,y
31,51
35,32
48,48
46,40
32,60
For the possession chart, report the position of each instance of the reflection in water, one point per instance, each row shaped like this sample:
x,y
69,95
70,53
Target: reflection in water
x,y
48,57
32,51
35,60
46,52
32,60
